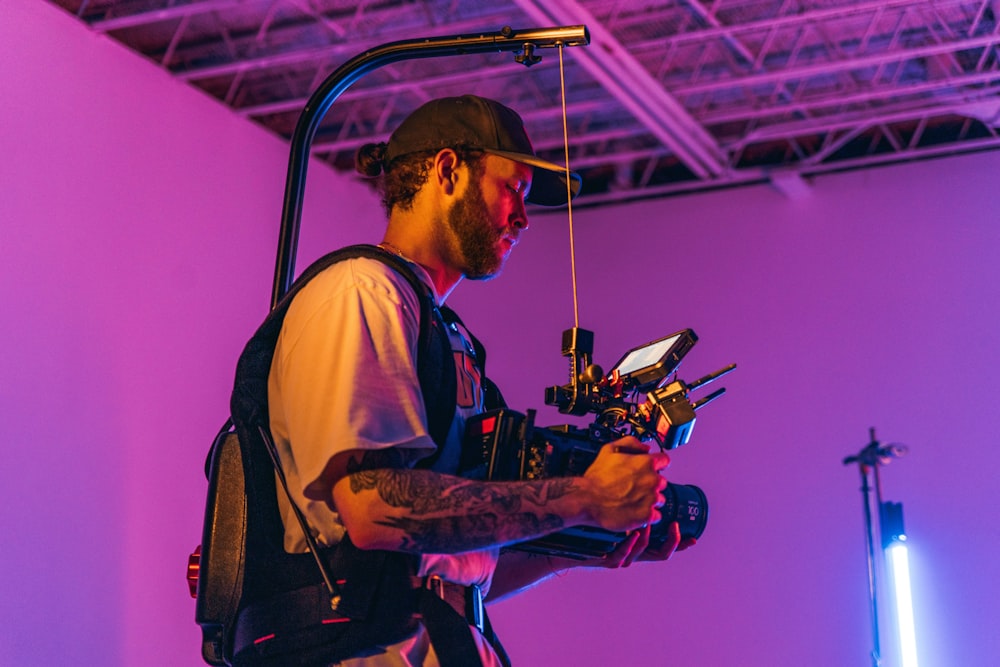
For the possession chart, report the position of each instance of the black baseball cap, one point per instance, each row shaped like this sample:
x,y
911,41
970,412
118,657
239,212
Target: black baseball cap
x,y
476,122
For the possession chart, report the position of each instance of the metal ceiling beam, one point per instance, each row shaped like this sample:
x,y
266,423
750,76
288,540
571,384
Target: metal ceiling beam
x,y
402,32
341,50
844,122
611,64
975,85
166,14
529,117
799,19
413,86
285,58
738,177
385,90
771,54
825,68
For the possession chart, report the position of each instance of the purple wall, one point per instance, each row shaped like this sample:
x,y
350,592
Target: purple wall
x,y
139,221
870,303
138,229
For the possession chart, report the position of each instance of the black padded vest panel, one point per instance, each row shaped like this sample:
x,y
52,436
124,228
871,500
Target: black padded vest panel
x,y
268,568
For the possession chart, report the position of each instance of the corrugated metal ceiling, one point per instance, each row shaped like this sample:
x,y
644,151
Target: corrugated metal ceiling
x,y
670,97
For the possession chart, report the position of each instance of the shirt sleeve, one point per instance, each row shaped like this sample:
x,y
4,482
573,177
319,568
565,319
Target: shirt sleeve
x,y
344,372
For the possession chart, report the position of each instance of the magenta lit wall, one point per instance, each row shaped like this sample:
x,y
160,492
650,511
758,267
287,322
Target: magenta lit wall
x,y
870,303
139,220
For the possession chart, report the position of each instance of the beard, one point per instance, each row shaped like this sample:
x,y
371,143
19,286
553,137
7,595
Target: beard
x,y
477,238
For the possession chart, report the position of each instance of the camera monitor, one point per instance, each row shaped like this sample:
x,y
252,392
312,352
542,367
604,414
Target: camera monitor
x,y
645,366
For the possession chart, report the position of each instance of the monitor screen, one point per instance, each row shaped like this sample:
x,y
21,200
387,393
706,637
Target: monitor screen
x,y
644,366
648,355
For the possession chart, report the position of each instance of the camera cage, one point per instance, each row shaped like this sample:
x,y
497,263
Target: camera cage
x,y
506,445
666,415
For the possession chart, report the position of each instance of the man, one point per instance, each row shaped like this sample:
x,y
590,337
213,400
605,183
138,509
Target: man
x,y
347,410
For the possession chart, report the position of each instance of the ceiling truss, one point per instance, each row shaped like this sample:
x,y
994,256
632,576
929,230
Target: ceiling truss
x,y
671,96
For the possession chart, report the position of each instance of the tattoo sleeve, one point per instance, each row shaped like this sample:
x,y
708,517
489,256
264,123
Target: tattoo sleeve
x,y
446,514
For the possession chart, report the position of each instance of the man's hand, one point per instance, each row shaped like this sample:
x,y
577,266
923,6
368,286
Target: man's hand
x,y
626,488
635,548
673,543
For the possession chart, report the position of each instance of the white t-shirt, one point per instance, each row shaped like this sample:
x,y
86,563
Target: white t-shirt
x,y
344,378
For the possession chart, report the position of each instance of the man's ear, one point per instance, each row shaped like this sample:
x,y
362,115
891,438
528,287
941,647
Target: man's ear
x,y
446,173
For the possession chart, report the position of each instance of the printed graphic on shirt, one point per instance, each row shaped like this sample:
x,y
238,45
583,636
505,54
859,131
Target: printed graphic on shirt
x,y
469,396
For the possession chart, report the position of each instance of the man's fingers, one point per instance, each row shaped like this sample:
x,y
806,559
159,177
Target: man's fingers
x,y
686,542
639,545
616,558
660,461
666,550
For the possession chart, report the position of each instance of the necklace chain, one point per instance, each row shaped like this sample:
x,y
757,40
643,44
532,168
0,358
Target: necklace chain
x,y
385,245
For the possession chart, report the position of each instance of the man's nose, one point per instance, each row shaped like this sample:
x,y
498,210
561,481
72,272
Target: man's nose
x,y
519,218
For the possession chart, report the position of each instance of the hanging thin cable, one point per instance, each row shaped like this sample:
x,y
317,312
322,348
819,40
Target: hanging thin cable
x,y
569,190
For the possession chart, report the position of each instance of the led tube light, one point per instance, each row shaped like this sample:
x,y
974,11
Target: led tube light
x,y
900,565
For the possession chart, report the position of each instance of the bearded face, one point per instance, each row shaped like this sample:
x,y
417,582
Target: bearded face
x,y
479,239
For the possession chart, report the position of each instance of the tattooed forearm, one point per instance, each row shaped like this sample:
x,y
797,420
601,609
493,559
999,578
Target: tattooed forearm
x,y
451,534
445,514
426,492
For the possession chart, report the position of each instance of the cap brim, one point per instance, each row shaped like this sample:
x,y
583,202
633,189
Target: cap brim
x,y
548,183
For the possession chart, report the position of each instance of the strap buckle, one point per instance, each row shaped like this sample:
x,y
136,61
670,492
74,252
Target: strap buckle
x,y
474,607
435,585
467,601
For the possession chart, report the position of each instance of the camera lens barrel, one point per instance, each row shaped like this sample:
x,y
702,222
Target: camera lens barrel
x,y
688,506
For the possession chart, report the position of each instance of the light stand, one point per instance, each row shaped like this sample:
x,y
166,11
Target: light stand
x,y
892,540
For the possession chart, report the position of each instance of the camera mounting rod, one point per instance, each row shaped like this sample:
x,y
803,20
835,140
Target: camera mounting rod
x,y
523,43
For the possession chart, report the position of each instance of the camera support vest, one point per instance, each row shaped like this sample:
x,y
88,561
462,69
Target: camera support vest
x,y
247,580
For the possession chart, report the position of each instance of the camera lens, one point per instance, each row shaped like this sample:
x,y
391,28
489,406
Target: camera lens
x,y
688,506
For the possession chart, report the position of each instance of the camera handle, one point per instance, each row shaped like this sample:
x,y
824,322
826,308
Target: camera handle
x,y
575,398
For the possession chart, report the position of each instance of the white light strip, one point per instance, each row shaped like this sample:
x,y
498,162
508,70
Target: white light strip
x,y
904,603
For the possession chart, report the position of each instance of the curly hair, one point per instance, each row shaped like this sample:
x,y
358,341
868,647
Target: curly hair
x,y
400,180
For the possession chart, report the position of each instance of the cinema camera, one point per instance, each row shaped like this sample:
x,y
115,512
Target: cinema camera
x,y
638,397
